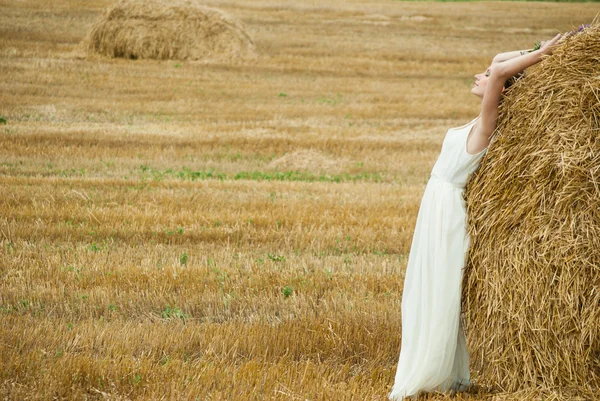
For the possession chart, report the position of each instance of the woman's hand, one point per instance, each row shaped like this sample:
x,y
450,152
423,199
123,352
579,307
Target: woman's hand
x,y
546,47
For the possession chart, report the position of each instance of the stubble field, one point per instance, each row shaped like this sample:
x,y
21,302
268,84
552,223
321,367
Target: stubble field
x,y
188,230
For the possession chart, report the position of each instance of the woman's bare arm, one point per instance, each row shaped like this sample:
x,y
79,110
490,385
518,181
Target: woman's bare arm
x,y
499,73
501,57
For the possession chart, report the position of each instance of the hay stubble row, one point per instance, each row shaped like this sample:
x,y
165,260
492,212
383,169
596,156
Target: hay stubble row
x,y
120,282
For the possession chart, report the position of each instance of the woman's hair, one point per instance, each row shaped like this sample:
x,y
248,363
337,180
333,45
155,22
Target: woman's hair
x,y
510,81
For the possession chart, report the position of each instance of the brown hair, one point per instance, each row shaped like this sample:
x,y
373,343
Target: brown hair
x,y
510,81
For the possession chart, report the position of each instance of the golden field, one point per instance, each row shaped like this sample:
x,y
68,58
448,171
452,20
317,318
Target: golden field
x,y
229,231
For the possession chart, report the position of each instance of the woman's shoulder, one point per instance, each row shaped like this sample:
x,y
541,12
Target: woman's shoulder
x,y
469,124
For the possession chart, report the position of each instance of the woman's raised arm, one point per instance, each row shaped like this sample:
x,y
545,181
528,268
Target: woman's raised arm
x,y
499,73
501,57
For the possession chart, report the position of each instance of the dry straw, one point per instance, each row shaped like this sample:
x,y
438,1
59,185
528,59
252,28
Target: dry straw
x,y
532,284
307,160
164,30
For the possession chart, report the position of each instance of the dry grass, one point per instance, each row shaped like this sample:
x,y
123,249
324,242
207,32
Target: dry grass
x,y
151,247
308,160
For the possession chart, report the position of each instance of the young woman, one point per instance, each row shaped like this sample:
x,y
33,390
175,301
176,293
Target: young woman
x,y
434,355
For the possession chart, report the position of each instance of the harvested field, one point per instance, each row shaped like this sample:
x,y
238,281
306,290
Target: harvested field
x,y
160,236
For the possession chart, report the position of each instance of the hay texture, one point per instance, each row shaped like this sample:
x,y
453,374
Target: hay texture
x,y
165,30
531,289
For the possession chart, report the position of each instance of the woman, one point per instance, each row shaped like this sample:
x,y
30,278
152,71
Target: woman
x,y
434,355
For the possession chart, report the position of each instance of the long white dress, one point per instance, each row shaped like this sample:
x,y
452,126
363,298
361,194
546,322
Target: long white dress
x,y
434,356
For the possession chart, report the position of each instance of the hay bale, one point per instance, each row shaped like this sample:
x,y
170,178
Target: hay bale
x,y
165,30
531,289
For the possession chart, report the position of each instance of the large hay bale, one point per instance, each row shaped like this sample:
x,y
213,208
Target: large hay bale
x,y
531,289
164,29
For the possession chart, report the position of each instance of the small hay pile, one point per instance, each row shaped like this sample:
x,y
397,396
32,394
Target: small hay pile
x,y
531,289
165,30
306,160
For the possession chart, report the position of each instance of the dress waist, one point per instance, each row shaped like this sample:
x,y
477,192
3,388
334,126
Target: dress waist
x,y
446,181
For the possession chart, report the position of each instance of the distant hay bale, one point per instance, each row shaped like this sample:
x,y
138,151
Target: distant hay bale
x,y
532,283
165,30
306,160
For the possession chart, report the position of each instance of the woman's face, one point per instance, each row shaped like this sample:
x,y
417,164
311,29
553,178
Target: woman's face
x,y
481,79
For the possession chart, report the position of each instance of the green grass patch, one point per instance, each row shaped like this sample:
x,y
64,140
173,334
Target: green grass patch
x,y
193,175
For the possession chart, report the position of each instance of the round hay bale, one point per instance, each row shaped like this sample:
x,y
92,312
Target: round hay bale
x,y
165,30
531,289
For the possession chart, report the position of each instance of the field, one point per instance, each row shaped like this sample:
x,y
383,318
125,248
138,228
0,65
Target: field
x,y
201,230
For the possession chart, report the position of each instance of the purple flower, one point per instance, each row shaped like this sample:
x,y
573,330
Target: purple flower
x,y
580,29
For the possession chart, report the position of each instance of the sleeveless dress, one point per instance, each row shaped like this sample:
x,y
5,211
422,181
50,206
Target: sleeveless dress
x,y
434,356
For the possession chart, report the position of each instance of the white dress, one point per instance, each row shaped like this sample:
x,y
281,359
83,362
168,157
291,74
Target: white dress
x,y
434,355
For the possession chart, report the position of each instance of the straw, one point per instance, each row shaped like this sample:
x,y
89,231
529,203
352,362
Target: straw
x,y
164,30
531,289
